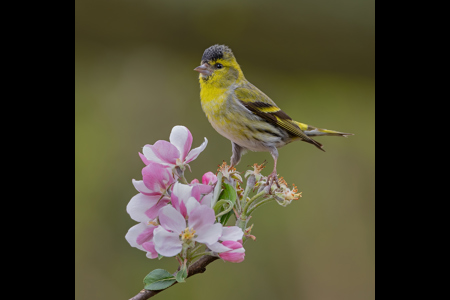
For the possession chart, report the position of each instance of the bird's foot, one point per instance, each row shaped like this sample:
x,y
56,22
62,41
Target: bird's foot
x,y
271,179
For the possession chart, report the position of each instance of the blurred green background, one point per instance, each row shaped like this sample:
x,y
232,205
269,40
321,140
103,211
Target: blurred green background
x,y
134,64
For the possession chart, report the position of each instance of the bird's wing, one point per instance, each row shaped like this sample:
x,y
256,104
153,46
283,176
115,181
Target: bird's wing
x,y
261,105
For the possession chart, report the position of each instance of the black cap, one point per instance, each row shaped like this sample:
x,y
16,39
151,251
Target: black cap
x,y
215,52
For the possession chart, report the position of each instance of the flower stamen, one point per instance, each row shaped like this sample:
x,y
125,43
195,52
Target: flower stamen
x,y
187,234
152,222
229,172
258,168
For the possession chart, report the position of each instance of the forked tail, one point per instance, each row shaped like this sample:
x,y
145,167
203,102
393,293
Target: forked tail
x,y
314,131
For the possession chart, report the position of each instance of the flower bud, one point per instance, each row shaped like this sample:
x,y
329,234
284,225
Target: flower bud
x,y
178,171
209,178
251,181
261,186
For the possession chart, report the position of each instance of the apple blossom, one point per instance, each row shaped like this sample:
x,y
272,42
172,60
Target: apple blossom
x,y
209,178
153,192
203,191
175,232
231,251
157,179
180,219
181,198
141,236
229,247
175,153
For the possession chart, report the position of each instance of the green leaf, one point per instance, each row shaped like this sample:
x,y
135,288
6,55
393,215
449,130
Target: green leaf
x,y
228,193
182,274
158,279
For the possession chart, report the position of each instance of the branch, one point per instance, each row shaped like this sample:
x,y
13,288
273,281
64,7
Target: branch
x,y
198,267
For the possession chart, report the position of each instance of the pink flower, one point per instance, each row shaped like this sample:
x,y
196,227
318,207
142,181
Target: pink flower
x,y
231,233
182,198
183,193
209,178
203,191
235,253
175,231
141,236
142,207
176,153
231,248
157,179
153,192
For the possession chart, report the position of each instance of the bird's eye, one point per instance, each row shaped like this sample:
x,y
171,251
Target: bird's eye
x,y
219,66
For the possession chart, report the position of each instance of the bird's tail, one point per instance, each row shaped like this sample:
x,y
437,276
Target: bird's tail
x,y
314,131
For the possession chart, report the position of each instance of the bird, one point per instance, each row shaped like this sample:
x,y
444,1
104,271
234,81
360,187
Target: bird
x,y
246,116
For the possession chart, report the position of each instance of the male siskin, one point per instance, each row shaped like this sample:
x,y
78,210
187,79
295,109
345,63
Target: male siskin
x,y
239,111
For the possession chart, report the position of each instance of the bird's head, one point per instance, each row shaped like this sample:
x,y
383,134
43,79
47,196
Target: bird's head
x,y
219,67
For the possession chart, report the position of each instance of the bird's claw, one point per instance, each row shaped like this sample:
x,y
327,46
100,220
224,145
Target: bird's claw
x,y
271,179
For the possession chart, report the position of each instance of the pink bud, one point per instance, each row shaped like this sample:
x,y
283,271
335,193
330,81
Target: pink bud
x,y
209,178
236,253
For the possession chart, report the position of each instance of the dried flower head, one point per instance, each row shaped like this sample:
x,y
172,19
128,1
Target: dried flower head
x,y
284,195
256,171
229,172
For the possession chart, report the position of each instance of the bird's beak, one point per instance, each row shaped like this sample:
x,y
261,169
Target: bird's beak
x,y
204,69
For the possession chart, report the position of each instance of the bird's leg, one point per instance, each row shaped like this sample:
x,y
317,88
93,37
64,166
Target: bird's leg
x,y
273,178
237,153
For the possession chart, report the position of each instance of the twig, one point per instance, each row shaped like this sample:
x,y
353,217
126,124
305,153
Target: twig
x,y
198,267
250,210
244,197
244,211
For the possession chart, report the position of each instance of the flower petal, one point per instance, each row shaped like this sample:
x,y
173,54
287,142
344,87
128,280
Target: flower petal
x,y
201,189
133,234
209,178
150,155
171,219
218,247
231,233
146,235
235,256
140,187
196,192
150,248
191,204
195,152
208,234
175,201
180,194
156,177
181,137
201,216
232,244
182,191
153,211
182,209
144,159
206,200
139,204
164,151
166,243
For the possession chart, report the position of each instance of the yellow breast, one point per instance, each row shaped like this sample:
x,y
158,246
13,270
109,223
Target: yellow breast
x,y
213,101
